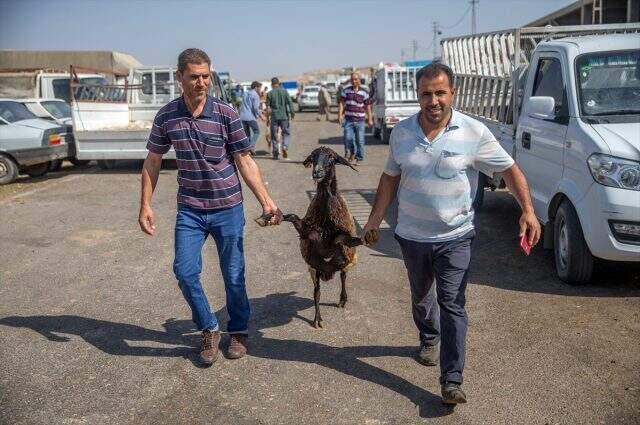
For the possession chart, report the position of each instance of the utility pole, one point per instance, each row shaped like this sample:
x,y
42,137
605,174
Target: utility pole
x,y
414,47
473,15
436,33
402,55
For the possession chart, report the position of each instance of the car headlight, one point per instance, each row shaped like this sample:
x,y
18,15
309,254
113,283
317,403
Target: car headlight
x,y
615,172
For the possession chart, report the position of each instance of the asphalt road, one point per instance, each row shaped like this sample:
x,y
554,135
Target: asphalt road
x,y
94,330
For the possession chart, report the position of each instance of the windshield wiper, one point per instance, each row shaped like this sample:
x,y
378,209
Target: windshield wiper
x,y
618,112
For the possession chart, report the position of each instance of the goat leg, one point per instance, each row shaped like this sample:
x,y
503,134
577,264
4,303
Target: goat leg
x,y
317,321
343,293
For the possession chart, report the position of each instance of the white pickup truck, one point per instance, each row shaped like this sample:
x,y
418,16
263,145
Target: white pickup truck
x,y
395,98
112,122
565,102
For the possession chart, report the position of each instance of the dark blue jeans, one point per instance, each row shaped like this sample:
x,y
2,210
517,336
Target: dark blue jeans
x,y
192,229
354,138
283,125
438,310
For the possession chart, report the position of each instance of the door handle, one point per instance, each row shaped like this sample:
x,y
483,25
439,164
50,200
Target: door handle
x,y
526,140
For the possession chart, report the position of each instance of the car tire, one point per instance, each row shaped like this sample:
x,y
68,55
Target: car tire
x,y
38,170
574,262
79,162
55,165
106,164
8,170
385,133
376,132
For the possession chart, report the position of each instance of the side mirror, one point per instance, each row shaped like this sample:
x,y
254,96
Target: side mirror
x,y
541,107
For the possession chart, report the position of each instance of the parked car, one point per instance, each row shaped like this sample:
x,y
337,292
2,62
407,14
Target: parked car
x,y
59,111
28,143
309,98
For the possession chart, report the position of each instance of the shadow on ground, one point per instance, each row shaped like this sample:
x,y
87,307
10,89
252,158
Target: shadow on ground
x,y
272,311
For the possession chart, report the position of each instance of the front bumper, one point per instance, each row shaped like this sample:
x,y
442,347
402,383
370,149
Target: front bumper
x,y
600,206
33,156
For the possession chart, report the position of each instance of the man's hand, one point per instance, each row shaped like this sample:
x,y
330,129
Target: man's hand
x,y
272,208
146,220
530,226
293,115
370,122
340,119
370,233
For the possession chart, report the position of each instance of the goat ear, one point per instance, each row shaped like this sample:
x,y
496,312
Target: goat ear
x,y
307,162
343,161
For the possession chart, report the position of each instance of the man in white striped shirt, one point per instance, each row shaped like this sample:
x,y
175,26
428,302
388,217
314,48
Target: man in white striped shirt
x,y
433,164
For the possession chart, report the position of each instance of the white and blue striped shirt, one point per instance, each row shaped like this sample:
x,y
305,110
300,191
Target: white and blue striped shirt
x,y
439,178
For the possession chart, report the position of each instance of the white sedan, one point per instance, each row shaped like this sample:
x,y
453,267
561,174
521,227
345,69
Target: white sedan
x,y
309,98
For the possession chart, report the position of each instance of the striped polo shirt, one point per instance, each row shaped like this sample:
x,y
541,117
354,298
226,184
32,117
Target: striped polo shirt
x,y
354,103
439,178
207,176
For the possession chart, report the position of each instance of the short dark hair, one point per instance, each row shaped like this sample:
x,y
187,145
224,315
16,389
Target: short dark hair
x,y
275,81
432,71
256,84
192,55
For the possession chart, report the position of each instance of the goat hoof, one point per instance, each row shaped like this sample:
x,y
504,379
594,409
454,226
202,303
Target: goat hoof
x,y
317,324
341,304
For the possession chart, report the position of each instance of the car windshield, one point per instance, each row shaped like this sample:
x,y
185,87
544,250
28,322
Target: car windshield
x,y
312,90
57,109
14,111
609,83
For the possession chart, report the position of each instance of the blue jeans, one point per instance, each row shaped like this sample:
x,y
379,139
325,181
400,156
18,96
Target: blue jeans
x,y
438,277
284,126
354,138
252,129
192,229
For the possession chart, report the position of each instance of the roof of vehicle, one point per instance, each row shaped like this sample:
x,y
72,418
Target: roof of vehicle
x,y
598,43
312,87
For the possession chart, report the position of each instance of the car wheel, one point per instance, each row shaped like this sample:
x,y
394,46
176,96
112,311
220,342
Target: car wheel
x,y
106,164
38,170
79,162
574,262
384,134
8,170
55,165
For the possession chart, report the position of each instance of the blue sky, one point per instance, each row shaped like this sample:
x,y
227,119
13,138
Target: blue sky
x,y
255,39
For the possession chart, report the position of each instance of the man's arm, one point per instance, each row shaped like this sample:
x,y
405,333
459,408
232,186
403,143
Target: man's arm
x,y
369,116
387,190
251,175
150,172
340,110
290,106
517,185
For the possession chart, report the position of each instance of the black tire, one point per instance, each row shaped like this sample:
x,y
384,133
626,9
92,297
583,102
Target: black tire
x,y
376,132
79,162
479,198
55,165
106,164
385,133
8,170
574,262
38,170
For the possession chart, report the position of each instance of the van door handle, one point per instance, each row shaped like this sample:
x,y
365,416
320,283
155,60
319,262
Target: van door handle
x,y
526,140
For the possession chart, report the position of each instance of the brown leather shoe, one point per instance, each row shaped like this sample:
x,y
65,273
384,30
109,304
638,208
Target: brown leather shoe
x,y
238,344
209,347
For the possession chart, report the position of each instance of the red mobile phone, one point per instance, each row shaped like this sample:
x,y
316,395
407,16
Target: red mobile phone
x,y
524,244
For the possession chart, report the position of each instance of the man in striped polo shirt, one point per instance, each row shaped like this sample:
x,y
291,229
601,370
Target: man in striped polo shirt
x,y
211,147
433,164
354,110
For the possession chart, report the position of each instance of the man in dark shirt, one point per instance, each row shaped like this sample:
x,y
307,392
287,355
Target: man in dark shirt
x,y
279,109
211,147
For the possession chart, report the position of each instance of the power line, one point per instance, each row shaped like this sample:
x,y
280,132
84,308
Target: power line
x,y
461,18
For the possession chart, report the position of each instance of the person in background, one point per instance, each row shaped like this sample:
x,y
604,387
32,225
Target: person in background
x,y
250,113
279,110
324,103
354,110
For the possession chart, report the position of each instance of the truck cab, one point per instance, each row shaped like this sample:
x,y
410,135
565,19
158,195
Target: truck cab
x,y
577,140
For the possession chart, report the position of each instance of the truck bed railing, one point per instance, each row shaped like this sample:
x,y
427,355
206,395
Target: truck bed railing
x,y
484,96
